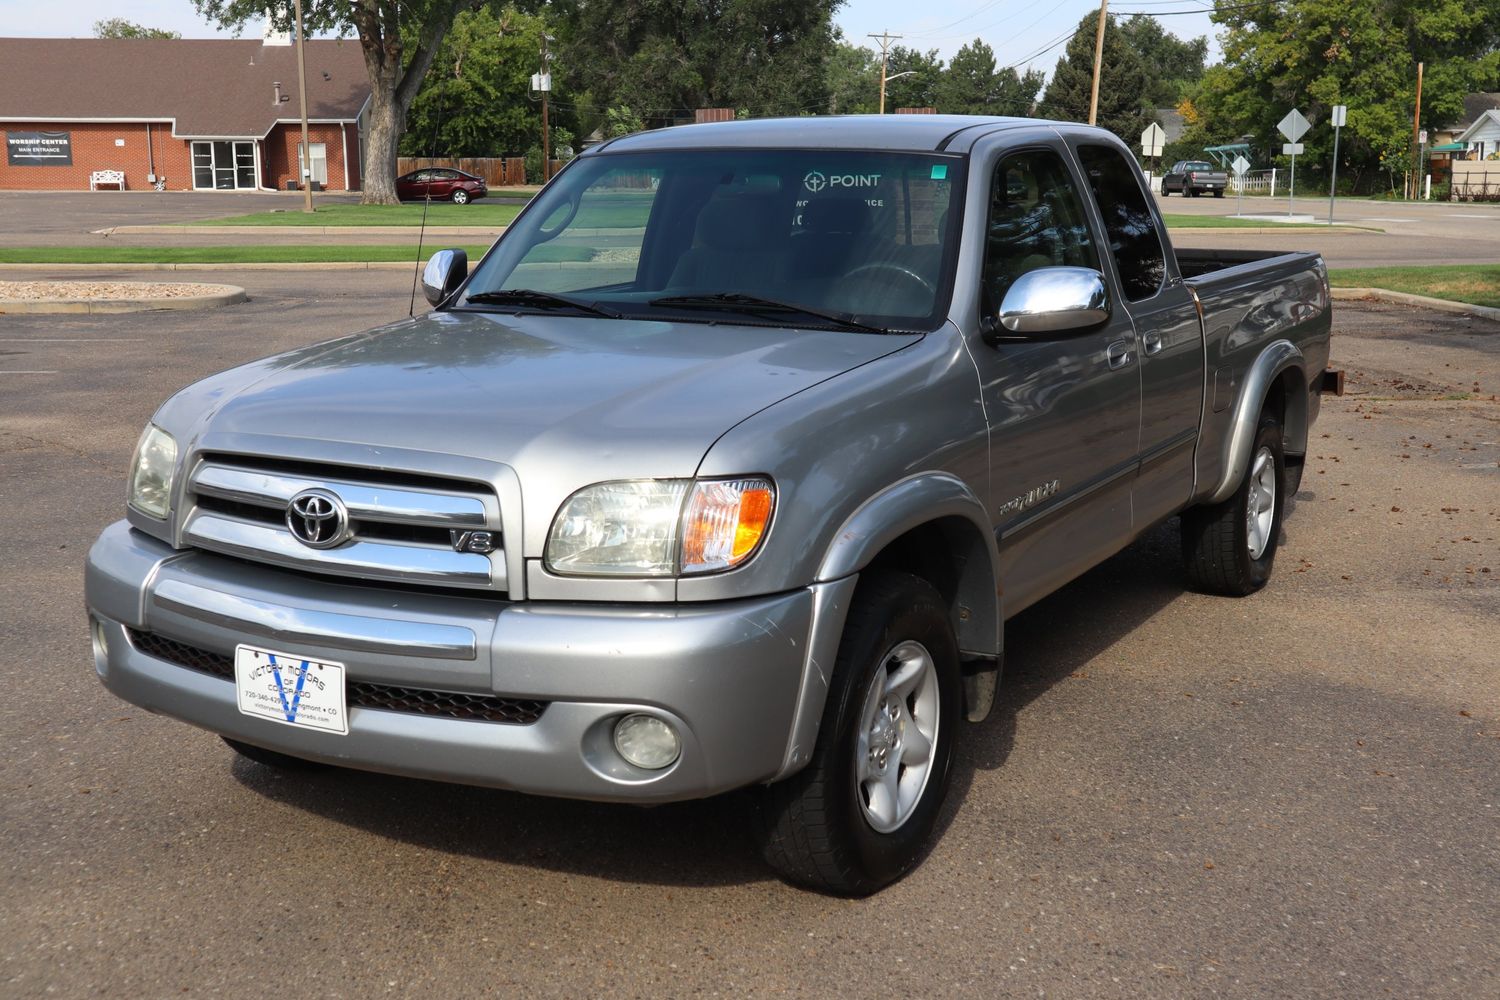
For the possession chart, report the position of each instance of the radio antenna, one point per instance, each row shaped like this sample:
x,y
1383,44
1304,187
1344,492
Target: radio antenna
x,y
437,125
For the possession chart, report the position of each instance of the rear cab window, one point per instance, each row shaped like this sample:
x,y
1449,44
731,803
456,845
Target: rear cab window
x,y
1129,224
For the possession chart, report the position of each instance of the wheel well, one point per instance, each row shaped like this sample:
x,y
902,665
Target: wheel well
x,y
950,553
1286,399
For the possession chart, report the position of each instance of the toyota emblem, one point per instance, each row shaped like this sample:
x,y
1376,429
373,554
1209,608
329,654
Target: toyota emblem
x,y
318,519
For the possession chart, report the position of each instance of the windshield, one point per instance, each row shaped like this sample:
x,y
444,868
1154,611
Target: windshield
x,y
826,236
1197,165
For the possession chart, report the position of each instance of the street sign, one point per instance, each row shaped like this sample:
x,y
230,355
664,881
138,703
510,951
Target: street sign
x,y
1294,126
1339,111
1422,137
1291,149
1241,166
1152,140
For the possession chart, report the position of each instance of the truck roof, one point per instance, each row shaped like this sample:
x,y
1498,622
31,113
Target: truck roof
x,y
913,133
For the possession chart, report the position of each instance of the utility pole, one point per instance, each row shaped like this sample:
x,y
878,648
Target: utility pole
x,y
885,38
546,129
1416,129
1098,62
306,157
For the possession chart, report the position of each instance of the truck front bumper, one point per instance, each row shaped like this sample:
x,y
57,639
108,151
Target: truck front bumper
x,y
740,681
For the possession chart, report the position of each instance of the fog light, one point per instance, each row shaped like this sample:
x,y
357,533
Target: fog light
x,y
647,742
101,645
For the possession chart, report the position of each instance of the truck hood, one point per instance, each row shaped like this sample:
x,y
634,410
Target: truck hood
x,y
563,400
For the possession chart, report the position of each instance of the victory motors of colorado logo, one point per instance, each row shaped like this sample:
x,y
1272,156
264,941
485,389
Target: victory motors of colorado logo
x,y
815,181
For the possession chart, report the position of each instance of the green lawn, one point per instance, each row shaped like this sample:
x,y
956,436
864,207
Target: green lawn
x,y
292,254
477,213
1476,284
1228,222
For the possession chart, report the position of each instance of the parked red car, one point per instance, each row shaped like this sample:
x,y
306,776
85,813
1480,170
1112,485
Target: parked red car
x,y
441,184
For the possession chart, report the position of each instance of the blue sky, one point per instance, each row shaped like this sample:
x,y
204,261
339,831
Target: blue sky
x,y
1016,29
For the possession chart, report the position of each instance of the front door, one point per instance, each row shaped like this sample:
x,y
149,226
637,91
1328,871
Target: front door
x,y
224,165
1063,408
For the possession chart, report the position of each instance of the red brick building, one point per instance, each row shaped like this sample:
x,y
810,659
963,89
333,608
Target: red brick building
x,y
181,114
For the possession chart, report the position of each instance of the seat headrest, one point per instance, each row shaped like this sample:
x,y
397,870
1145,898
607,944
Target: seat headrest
x,y
741,223
835,215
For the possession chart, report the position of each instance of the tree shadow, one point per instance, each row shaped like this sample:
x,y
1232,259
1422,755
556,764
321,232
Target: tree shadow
x,y
704,843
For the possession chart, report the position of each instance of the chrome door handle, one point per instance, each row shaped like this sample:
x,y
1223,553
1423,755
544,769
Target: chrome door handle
x,y
1152,343
1119,354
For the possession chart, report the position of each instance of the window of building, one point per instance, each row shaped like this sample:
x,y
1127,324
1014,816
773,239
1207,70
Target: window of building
x,y
319,161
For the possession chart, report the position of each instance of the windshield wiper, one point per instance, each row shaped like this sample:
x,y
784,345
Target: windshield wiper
x,y
740,302
531,298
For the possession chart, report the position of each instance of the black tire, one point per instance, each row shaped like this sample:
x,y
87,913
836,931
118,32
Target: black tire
x,y
1218,547
1219,193
1164,191
813,826
460,197
1191,192
271,758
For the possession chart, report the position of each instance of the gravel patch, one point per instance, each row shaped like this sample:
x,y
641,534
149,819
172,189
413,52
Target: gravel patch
x,y
90,290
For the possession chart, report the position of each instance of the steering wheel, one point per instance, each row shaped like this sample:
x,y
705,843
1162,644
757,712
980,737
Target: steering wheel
x,y
900,270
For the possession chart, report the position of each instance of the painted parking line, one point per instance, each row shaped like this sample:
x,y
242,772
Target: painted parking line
x,y
71,340
53,372
1388,220
1458,215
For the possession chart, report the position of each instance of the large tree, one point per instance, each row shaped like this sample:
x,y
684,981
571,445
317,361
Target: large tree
x,y
477,100
1313,54
1123,82
920,89
1172,65
118,27
667,58
853,78
399,39
972,85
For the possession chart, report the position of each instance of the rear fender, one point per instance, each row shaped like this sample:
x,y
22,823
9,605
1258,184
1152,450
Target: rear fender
x,y
1279,357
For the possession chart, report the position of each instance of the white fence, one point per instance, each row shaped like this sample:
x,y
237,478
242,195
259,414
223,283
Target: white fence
x,y
1254,182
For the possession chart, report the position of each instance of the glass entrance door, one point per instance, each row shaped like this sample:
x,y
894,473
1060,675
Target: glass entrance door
x,y
224,166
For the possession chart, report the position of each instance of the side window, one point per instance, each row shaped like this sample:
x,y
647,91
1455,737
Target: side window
x,y
1036,219
1128,221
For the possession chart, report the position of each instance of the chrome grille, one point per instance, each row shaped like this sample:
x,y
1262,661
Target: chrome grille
x,y
418,701
400,523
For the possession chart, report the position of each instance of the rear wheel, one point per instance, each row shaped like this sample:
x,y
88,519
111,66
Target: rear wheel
x,y
270,758
460,197
1219,193
859,815
1229,548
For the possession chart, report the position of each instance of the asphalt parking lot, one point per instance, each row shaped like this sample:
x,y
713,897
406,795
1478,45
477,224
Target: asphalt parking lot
x,y
1292,795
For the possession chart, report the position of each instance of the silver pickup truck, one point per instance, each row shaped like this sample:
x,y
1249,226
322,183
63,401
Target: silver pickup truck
x,y
723,469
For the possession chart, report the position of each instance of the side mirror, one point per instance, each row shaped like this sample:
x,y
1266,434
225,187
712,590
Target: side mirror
x,y
1054,300
443,274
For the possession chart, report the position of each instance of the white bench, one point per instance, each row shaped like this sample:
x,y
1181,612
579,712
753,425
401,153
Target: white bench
x,y
115,177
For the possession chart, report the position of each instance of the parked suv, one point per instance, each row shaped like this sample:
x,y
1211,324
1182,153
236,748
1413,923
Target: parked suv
x,y
723,469
441,184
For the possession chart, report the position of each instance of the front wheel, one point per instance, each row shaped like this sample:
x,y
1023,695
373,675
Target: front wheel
x,y
460,197
859,815
1228,548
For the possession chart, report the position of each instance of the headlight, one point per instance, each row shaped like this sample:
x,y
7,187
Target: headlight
x,y
660,527
151,472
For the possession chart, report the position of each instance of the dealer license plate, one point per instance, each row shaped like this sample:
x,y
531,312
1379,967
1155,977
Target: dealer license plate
x,y
289,689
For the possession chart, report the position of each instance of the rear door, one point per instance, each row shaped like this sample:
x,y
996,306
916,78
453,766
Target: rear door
x,y
1063,408
1165,317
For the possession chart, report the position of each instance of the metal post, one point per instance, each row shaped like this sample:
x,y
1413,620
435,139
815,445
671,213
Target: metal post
x,y
546,130
1098,63
307,205
1333,185
1291,184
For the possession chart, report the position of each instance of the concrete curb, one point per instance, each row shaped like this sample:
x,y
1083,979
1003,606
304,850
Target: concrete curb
x,y
228,296
487,232
1175,232
1408,299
